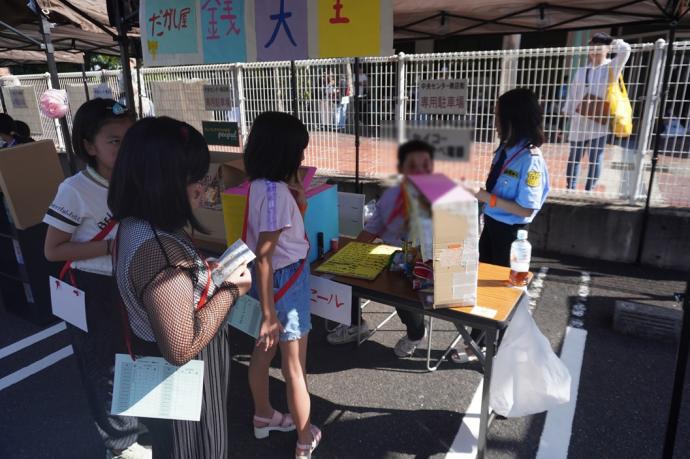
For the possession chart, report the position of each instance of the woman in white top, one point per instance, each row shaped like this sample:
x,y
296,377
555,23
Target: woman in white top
x,y
589,125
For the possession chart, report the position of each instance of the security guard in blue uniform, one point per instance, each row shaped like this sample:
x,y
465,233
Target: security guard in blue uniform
x,y
518,181
517,185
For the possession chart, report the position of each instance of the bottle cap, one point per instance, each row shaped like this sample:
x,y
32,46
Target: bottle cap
x,y
522,234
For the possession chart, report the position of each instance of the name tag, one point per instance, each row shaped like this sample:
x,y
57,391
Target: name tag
x,y
68,303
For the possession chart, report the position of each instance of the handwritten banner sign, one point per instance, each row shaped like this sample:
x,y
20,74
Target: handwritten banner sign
x,y
185,32
331,300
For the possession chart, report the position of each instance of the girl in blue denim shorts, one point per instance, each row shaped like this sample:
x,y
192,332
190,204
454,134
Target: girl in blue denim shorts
x,y
274,229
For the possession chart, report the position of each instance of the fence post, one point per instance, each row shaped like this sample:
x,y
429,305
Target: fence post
x,y
402,98
651,102
239,74
56,121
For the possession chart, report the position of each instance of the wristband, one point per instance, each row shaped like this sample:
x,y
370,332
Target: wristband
x,y
492,200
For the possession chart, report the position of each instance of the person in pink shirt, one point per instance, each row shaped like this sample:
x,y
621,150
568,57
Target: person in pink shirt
x,y
274,230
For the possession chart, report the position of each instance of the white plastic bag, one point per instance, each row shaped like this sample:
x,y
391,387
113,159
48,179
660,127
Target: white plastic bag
x,y
528,377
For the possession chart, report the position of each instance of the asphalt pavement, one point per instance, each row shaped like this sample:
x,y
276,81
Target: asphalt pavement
x,y
371,404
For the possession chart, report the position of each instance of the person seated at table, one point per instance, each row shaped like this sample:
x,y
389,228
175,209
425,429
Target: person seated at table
x,y
517,184
8,132
23,130
388,224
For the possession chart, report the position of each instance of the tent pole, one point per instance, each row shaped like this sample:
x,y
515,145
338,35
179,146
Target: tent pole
x,y
84,63
123,40
2,101
357,125
293,87
44,27
140,89
679,378
657,140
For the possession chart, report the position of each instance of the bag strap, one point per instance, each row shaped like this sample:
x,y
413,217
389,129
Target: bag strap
x,y
124,316
291,281
67,267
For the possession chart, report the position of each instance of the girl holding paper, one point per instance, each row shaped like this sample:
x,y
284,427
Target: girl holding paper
x,y
274,230
173,308
80,231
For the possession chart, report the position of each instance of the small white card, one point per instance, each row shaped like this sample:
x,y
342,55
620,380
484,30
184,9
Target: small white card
x,y
150,387
484,312
68,303
331,300
245,315
234,256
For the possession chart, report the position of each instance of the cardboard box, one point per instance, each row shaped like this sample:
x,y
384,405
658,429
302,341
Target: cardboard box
x,y
444,221
210,215
30,174
321,216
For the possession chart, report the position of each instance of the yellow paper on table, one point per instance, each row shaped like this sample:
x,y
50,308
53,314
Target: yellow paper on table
x,y
360,260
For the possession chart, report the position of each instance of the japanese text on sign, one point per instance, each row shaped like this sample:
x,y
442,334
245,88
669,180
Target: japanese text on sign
x,y
442,97
330,300
217,97
184,32
450,143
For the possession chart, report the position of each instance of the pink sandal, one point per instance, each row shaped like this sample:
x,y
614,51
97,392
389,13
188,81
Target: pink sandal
x,y
304,451
279,421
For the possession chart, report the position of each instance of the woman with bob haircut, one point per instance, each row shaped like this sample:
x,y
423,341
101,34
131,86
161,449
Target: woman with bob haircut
x,y
174,310
518,181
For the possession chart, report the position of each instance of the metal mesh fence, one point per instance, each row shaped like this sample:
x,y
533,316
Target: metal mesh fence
x,y
326,100
671,185
40,83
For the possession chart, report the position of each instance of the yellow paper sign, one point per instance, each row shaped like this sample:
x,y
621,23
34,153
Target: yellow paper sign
x,y
349,28
360,260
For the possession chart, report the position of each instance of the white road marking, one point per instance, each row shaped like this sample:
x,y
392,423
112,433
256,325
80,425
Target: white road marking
x,y
35,367
33,339
465,444
555,438
466,440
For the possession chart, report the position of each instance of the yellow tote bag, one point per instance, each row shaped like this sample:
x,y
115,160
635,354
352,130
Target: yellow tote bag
x,y
619,105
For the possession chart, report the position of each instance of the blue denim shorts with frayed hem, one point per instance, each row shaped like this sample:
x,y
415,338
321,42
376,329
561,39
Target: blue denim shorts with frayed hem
x,y
293,309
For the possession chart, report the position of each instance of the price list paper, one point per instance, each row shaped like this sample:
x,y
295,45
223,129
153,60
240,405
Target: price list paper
x,y
150,387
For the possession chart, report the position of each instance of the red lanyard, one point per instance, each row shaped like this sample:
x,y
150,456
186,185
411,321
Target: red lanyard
x,y
283,290
99,237
398,207
508,161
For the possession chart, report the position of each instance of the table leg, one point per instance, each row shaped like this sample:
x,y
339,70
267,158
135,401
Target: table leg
x,y
355,304
484,417
428,348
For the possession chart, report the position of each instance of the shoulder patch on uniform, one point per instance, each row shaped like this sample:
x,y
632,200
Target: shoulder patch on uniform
x,y
511,173
533,178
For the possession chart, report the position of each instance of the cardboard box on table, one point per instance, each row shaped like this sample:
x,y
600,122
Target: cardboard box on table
x,y
29,178
444,219
321,216
210,215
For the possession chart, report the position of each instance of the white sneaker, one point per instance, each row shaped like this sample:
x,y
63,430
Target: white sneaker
x,y
405,347
344,334
134,451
